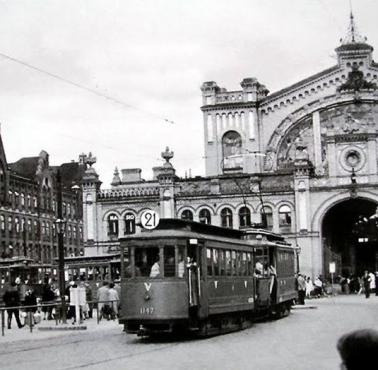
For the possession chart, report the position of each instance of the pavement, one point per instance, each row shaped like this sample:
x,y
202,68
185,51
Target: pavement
x,y
49,329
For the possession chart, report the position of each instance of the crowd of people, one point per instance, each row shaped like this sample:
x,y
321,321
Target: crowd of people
x,y
366,284
21,299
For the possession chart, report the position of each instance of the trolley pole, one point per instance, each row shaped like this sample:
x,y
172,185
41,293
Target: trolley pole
x,y
60,226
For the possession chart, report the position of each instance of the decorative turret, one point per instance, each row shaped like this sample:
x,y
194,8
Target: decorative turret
x,y
209,90
253,90
353,46
165,173
90,176
116,178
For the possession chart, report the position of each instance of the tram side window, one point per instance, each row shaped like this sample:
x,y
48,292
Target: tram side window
x,y
145,258
222,262
243,264
169,261
180,261
209,262
233,262
216,261
261,265
228,263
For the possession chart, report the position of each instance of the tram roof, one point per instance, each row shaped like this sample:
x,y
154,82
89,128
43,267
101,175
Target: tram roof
x,y
172,227
103,257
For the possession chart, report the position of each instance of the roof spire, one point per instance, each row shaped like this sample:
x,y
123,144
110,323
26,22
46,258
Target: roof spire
x,y
352,35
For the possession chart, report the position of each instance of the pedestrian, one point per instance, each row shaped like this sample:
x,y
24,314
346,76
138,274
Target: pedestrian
x,y
89,297
318,287
358,349
366,279
48,298
301,289
376,283
309,287
114,301
11,299
117,287
30,302
372,282
103,301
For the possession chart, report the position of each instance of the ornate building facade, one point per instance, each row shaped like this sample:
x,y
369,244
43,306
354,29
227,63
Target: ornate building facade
x,y
28,207
303,160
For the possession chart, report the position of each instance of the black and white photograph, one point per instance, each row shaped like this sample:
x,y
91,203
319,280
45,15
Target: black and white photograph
x,y
188,184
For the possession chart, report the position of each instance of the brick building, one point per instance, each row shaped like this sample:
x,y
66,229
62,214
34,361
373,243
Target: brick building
x,y
28,207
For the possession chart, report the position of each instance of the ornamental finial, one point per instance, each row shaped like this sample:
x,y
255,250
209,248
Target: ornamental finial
x,y
352,34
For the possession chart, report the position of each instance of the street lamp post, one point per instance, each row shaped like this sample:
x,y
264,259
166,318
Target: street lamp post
x,y
60,228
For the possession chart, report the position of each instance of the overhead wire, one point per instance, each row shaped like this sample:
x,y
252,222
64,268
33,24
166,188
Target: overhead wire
x,y
85,88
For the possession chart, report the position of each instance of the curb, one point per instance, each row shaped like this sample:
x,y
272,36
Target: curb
x,y
304,307
62,328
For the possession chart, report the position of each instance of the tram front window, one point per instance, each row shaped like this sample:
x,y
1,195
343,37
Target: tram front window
x,y
149,264
145,258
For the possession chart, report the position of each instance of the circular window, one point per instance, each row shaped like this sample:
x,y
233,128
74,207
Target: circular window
x,y
353,158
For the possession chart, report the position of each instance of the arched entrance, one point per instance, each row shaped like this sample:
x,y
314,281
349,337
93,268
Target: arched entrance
x,y
350,237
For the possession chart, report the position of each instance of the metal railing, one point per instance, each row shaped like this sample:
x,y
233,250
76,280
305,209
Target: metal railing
x,y
32,310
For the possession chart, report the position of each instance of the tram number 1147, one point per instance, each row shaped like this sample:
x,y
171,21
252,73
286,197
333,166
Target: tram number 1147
x,y
146,310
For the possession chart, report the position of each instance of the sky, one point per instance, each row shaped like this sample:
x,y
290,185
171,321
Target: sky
x,y
135,65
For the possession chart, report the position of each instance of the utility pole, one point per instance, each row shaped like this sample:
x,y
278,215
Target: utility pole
x,y
60,227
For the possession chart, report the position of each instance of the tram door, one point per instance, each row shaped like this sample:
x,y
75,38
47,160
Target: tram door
x,y
194,277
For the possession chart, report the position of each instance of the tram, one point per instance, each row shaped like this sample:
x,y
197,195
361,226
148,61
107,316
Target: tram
x,y
93,270
189,276
26,270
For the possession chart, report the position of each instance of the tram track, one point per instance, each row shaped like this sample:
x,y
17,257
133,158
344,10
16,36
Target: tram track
x,y
132,346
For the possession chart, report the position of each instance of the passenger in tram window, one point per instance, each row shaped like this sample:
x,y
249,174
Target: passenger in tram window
x,y
181,267
258,269
155,269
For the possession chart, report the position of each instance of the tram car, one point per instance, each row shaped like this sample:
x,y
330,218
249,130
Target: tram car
x,y
188,276
24,269
93,270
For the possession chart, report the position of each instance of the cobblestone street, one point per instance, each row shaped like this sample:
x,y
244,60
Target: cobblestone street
x,y
305,340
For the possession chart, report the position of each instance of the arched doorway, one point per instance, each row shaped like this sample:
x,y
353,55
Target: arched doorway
x,y
350,237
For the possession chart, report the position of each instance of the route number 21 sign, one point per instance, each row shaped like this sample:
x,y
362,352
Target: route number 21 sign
x,y
149,219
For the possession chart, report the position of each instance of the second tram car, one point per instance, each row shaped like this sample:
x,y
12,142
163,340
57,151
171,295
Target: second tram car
x,y
185,275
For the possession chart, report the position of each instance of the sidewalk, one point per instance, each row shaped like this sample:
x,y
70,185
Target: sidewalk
x,y
48,329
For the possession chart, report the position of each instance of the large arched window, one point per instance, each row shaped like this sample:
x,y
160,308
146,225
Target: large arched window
x,y
113,225
268,214
226,217
284,216
232,150
129,223
187,215
205,216
244,217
